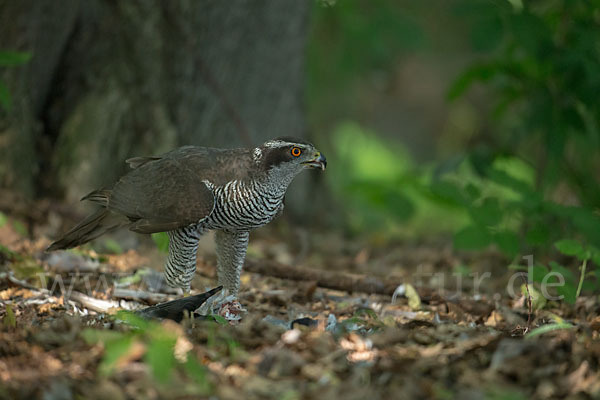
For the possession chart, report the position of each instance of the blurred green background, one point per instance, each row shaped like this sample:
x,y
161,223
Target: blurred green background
x,y
476,118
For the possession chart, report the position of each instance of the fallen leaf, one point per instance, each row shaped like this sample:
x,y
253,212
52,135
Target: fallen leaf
x,y
414,301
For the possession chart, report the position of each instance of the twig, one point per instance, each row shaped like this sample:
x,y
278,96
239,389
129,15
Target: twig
x,y
91,303
16,281
149,297
583,267
97,305
529,305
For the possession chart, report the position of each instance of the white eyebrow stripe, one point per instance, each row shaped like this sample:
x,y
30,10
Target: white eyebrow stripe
x,y
281,143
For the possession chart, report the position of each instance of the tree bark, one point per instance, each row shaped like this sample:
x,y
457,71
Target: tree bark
x,y
113,79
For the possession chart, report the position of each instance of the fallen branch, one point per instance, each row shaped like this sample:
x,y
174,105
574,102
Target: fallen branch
x,y
11,277
339,280
137,295
98,305
91,303
328,279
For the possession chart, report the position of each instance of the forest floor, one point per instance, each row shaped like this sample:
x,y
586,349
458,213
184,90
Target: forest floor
x,y
458,327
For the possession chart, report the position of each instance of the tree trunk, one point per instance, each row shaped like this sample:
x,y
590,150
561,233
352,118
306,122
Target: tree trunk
x,y
113,79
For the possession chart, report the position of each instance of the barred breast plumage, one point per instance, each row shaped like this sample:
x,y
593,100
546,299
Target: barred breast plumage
x,y
244,205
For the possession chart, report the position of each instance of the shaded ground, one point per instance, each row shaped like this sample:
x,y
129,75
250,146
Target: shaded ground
x,y
435,342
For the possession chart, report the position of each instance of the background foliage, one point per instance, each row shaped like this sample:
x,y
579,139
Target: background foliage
x,y
515,165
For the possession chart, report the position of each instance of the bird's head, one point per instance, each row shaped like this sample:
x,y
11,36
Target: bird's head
x,y
289,156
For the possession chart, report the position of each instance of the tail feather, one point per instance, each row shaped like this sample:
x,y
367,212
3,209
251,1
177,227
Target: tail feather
x,y
99,196
90,228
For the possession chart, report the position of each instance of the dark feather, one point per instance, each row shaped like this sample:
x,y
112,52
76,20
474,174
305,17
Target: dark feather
x,y
137,162
99,196
162,194
176,309
94,225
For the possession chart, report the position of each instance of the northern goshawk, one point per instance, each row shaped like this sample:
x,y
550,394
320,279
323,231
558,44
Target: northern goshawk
x,y
190,190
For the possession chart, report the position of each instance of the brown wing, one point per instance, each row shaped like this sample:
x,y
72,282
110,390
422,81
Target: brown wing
x,y
165,193
137,162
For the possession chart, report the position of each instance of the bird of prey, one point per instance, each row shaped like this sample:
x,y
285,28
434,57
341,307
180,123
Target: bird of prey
x,y
190,190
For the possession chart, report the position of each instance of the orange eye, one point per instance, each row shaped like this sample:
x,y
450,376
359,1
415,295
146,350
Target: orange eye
x,y
296,151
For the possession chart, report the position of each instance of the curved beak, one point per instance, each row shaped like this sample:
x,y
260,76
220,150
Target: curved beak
x,y
319,161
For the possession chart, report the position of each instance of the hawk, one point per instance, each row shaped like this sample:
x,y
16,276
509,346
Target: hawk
x,y
191,190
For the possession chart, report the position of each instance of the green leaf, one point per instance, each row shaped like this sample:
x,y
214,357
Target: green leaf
x,y
570,247
517,267
448,192
537,235
595,253
131,279
3,219
475,73
568,291
548,328
353,323
519,186
113,246
538,273
584,219
197,372
113,351
162,241
472,191
366,311
13,58
219,319
233,346
20,228
517,5
472,237
9,254
488,213
587,222
566,273
93,336
9,320
538,301
160,357
508,242
134,320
